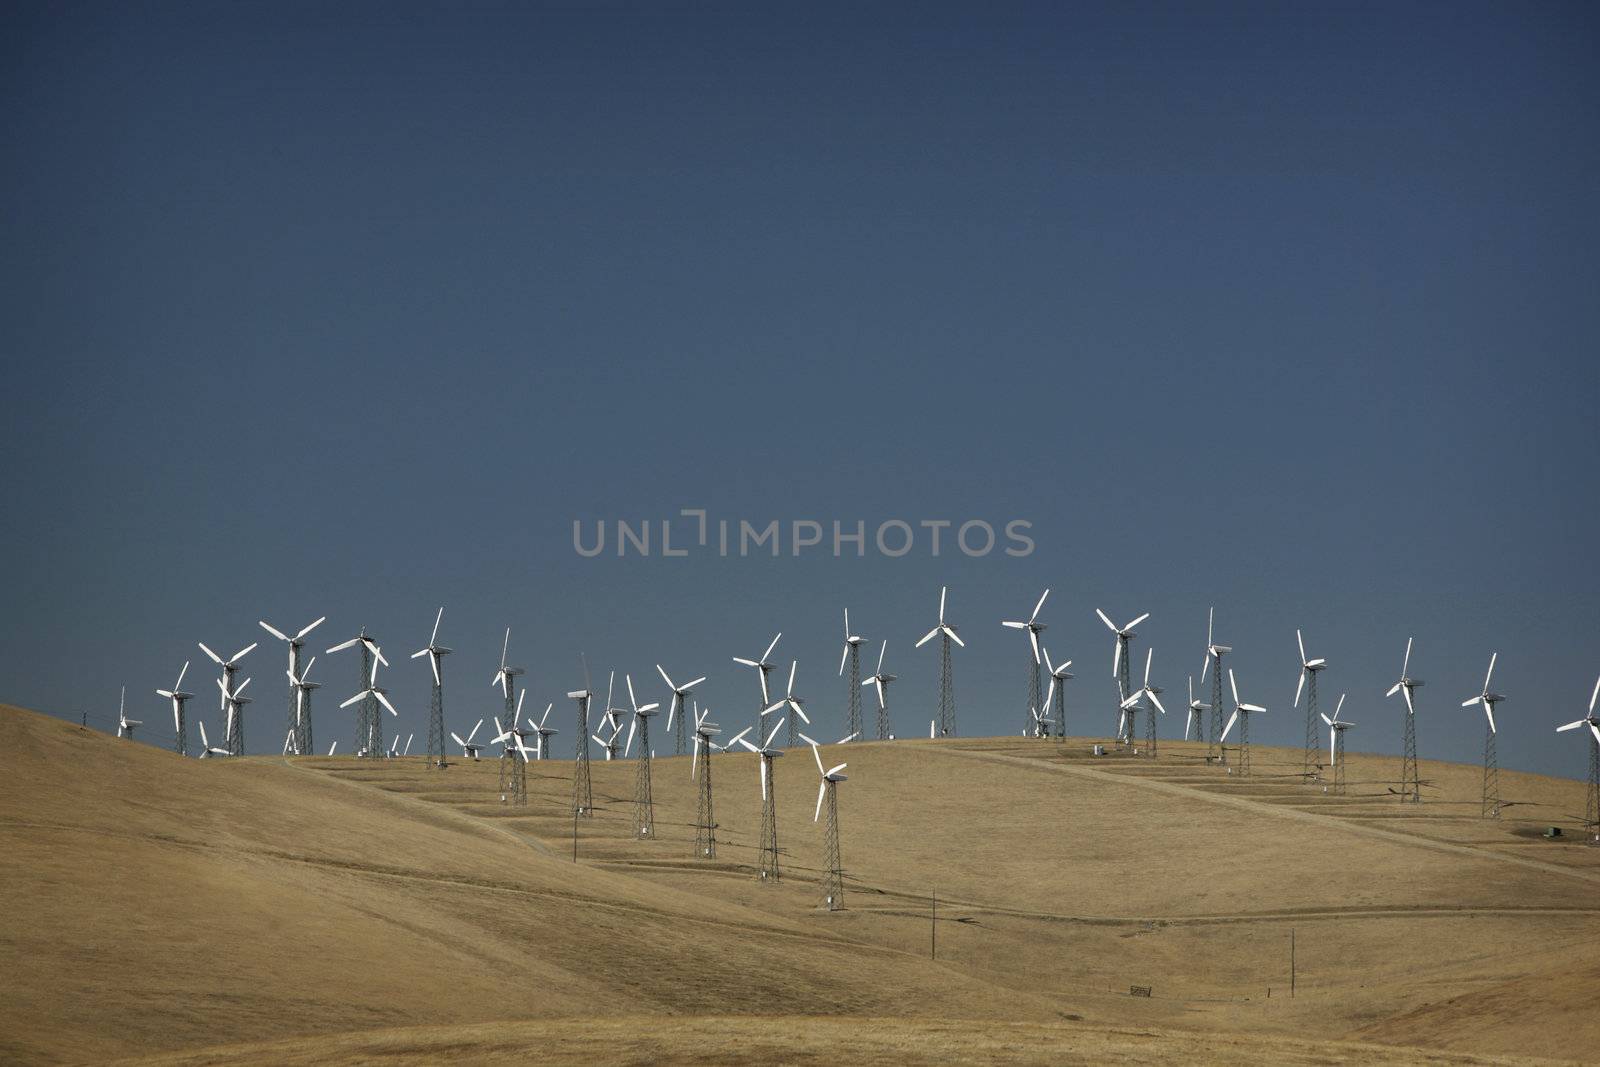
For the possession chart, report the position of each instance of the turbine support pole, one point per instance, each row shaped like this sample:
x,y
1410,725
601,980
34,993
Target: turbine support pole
x,y
1032,727
1123,684
769,825
644,811
1244,743
181,743
1309,766
947,694
1215,742
435,756
582,789
832,875
855,689
1410,779
705,823
1591,808
1490,805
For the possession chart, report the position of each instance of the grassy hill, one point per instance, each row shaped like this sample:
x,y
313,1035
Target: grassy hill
x,y
317,909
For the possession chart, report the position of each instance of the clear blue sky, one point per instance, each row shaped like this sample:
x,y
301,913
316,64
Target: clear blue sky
x,y
353,310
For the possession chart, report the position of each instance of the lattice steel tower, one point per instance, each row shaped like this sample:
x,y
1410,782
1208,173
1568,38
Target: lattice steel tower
x,y
1490,801
1119,669
644,811
705,822
769,816
1033,627
1213,663
582,790
852,656
304,739
832,874
435,652
179,698
513,761
881,682
1309,669
1410,777
1057,692
947,696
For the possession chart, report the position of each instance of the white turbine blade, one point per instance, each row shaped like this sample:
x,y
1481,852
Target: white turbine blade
x,y
952,635
474,732
844,654
1302,644
690,685
1037,607
1406,666
313,626
1337,707
798,710
881,651
272,631
247,649
1228,729
629,746
1488,709
1592,696
1410,710
942,590
848,739
694,758
433,661
1116,657
1393,689
1033,639
1471,701
214,657
822,787
1050,691
1015,625
1149,653
203,742
1324,717
1205,665
835,770
1299,687
433,638
1211,617
504,646
1486,677
340,647
1137,621
458,740
770,647
761,773
1157,702
926,637
774,732
1188,724
1233,683
1596,731
333,748
385,702
746,662
1571,726
789,689
662,671
1109,624
816,755
738,739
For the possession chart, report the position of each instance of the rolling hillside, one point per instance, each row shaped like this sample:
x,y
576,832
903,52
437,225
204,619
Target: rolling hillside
x,y
272,910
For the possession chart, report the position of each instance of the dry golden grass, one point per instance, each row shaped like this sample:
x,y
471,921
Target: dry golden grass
x,y
350,911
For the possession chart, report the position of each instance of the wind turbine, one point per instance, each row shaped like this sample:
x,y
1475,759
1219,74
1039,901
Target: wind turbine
x,y
705,823
300,731
1410,777
295,643
125,725
178,698
675,706
1197,712
513,758
852,654
1130,707
1041,723
369,723
1336,729
506,679
1213,665
1034,628
545,732
1123,635
207,749
1241,715
230,667
794,703
468,749
769,801
1058,691
644,810
764,666
435,653
233,702
1309,669
1591,807
1490,802
828,790
612,717
947,695
370,746
881,681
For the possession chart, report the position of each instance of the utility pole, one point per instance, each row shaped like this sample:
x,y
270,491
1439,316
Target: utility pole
x,y
1291,963
933,929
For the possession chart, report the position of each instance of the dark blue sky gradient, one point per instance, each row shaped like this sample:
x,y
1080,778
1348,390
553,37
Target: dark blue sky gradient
x,y
351,310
